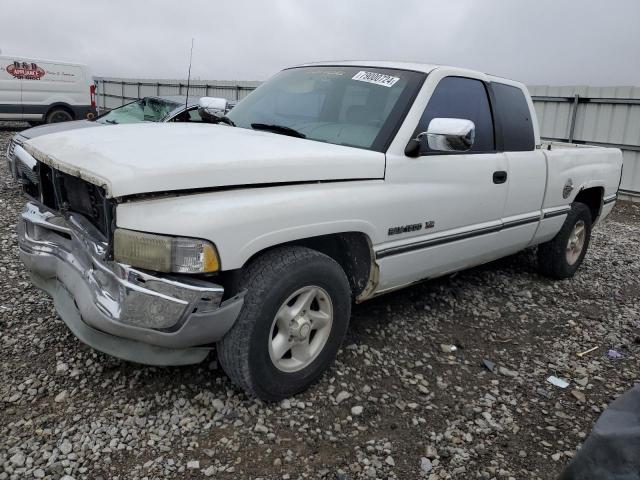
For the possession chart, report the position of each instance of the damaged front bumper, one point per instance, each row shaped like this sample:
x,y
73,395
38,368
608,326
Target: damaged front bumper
x,y
117,309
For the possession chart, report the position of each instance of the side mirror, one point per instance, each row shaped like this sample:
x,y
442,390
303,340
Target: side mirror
x,y
444,135
212,108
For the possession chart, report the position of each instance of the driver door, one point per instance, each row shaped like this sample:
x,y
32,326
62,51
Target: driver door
x,y
457,197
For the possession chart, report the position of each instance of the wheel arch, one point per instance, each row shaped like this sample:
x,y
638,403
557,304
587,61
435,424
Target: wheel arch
x,y
592,197
353,251
59,106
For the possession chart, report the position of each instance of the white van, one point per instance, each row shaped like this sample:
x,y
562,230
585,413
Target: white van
x,y
40,91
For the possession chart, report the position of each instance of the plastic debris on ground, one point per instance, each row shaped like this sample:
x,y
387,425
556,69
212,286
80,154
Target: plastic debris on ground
x,y
614,354
446,348
582,354
558,382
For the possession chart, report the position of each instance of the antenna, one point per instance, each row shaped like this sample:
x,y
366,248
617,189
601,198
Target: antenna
x,y
186,101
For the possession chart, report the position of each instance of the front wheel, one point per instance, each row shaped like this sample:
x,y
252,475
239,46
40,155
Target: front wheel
x,y
295,315
59,115
560,257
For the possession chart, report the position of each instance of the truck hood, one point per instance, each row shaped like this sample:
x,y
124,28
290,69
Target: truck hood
x,y
145,158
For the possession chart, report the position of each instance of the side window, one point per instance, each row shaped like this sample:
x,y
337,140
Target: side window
x,y
190,115
515,118
466,98
194,116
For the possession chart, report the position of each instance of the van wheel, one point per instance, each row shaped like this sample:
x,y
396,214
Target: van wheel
x,y
59,115
295,316
560,257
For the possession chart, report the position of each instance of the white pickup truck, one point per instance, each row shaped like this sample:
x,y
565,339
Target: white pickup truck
x,y
331,183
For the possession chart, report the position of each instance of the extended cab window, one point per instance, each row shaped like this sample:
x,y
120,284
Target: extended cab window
x,y
466,98
513,111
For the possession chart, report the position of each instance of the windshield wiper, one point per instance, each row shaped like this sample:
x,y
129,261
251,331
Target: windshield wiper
x,y
278,129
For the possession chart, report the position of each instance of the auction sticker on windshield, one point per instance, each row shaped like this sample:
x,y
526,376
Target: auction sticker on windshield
x,y
375,78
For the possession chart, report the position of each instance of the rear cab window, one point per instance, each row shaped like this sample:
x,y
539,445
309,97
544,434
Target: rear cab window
x,y
512,110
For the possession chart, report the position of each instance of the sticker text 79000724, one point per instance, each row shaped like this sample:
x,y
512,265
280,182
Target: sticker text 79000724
x,y
375,78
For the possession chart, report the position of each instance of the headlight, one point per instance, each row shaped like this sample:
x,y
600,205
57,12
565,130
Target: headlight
x,y
162,253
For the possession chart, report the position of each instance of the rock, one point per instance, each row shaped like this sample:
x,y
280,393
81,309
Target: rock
x,y
342,396
209,471
556,456
61,397
507,373
431,452
62,368
193,465
285,404
357,410
582,381
579,396
261,428
39,473
390,461
217,404
489,365
66,447
18,459
425,465
277,462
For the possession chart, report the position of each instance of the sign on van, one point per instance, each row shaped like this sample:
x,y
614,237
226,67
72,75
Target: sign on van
x,y
25,70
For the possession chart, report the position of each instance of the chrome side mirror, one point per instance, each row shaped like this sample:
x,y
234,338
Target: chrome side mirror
x,y
449,135
212,108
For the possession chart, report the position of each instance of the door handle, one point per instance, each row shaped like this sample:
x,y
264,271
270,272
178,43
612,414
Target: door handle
x,y
500,176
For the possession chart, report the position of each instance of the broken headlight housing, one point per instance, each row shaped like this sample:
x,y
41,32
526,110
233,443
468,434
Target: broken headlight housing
x,y
162,253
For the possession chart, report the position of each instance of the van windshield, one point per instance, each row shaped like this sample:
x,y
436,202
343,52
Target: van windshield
x,y
354,106
146,109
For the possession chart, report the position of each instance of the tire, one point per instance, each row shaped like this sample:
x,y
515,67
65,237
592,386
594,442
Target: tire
x,y
59,115
245,353
554,258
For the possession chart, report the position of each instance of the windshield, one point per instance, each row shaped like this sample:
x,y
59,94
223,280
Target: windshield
x,y
144,110
355,106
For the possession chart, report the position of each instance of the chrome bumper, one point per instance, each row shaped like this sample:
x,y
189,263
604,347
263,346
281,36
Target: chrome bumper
x,y
113,307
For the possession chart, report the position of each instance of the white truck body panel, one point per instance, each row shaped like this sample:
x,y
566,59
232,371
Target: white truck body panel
x,y
187,157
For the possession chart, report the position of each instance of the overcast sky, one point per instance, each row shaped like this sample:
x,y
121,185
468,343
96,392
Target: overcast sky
x,y
559,42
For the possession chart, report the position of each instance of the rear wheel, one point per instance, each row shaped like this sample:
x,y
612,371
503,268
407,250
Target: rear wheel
x,y
59,115
561,256
293,321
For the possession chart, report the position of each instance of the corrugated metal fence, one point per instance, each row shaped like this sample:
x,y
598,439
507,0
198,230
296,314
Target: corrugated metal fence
x,y
606,116
114,92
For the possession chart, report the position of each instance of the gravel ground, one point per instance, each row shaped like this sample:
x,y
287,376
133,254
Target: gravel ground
x,y
395,405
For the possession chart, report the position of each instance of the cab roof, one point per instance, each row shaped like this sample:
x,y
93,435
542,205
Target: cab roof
x,y
417,67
